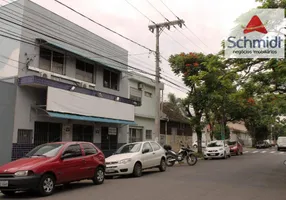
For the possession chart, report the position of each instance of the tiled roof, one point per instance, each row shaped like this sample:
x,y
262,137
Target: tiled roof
x,y
174,113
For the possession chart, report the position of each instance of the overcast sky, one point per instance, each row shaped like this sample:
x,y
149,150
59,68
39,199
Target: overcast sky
x,y
210,20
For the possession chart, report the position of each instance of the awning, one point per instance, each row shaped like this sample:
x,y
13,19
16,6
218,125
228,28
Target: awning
x,y
87,54
88,118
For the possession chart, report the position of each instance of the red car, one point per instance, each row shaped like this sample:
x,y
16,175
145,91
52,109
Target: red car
x,y
235,147
52,164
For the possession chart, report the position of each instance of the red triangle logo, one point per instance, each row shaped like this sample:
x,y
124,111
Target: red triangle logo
x,y
255,24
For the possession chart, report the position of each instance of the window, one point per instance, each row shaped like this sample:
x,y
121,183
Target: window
x,y
148,134
74,149
89,149
85,71
135,135
155,146
147,146
45,150
51,60
111,79
148,94
82,133
46,132
135,94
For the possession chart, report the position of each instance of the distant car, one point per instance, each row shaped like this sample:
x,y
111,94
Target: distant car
x,y
51,164
133,158
217,149
262,145
281,143
195,144
235,147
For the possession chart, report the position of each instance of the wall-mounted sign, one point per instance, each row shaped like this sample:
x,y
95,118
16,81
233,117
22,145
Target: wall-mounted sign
x,y
112,131
67,129
97,131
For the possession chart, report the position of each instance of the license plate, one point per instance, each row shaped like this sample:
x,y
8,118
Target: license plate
x,y
110,170
3,183
212,154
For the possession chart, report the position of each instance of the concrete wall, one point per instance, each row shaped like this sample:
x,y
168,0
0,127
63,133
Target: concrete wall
x,y
7,108
146,123
174,141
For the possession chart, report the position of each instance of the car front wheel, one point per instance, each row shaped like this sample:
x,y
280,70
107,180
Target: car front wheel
x,y
137,170
47,185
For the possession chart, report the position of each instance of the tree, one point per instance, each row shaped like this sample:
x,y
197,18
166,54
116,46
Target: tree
x,y
210,86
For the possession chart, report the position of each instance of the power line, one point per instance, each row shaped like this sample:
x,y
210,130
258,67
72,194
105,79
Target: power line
x,y
104,26
142,71
140,12
184,23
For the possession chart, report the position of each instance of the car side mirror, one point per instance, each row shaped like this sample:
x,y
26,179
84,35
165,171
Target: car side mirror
x,y
67,155
145,151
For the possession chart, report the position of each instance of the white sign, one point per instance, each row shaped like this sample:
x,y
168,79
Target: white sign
x,y
257,35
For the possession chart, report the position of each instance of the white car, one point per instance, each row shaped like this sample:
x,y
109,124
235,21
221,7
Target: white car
x,y
195,144
133,158
217,149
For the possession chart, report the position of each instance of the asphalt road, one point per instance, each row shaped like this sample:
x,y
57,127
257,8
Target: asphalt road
x,y
248,177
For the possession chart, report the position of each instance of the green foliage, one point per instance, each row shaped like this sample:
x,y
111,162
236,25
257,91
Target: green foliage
x,y
218,132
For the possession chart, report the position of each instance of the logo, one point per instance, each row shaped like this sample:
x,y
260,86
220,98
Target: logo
x,y
260,38
255,24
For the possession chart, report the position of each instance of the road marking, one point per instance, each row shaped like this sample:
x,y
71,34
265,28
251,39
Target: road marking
x,y
281,152
254,151
272,151
263,152
245,152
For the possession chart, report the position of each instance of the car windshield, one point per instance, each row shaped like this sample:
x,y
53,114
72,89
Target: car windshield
x,y
215,144
45,150
282,140
129,148
260,142
231,143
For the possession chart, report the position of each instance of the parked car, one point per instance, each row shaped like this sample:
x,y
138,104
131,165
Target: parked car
x,y
52,164
195,144
281,143
133,158
235,147
262,145
217,149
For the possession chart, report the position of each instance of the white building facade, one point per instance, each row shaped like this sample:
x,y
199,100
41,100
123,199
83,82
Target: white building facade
x,y
71,83
142,89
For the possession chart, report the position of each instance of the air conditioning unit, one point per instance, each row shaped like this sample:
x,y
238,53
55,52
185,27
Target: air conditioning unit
x,y
84,85
45,75
140,86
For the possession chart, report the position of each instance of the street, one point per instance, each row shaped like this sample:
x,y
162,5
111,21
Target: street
x,y
248,177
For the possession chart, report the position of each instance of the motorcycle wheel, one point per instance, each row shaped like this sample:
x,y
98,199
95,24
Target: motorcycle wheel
x,y
170,163
191,160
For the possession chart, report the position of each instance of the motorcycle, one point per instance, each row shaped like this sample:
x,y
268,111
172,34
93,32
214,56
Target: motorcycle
x,y
184,153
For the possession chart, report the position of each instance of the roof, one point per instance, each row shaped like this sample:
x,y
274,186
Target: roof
x,y
173,113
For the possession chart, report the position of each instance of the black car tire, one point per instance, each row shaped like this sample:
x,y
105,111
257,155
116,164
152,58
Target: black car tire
x,y
224,155
278,149
163,165
137,170
98,177
8,193
47,180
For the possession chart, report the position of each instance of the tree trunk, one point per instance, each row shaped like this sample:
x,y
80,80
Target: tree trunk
x,y
199,137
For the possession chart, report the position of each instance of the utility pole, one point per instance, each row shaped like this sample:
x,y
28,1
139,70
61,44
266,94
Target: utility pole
x,y
158,30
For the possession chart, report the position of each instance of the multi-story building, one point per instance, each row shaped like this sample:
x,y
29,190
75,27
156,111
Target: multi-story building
x,y
71,83
142,89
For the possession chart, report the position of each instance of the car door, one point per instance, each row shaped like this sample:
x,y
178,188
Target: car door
x,y
156,160
72,167
147,157
91,158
